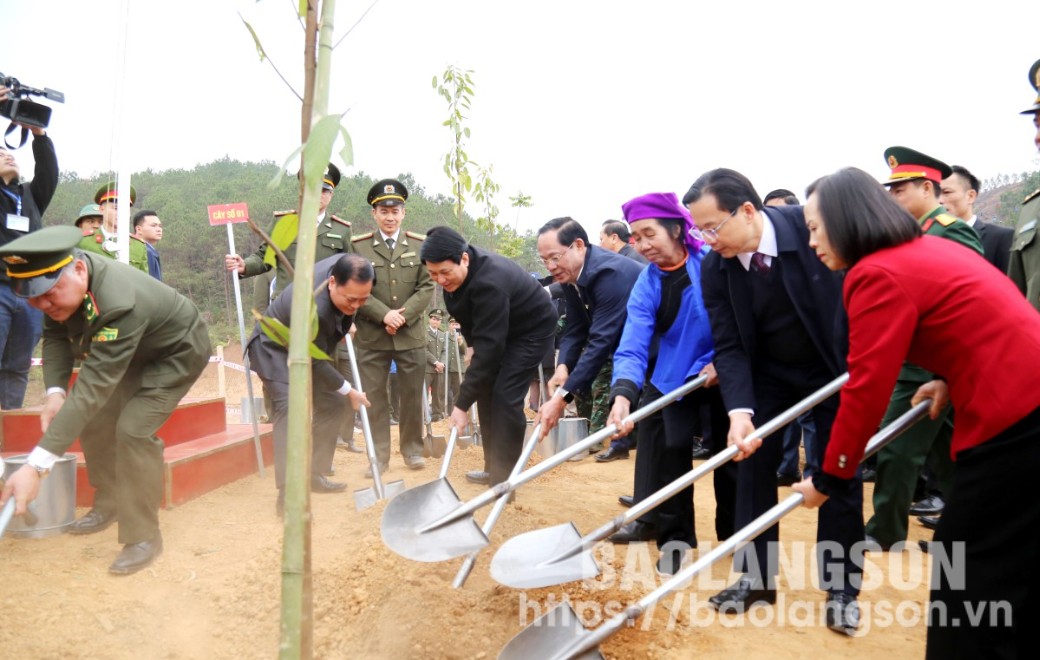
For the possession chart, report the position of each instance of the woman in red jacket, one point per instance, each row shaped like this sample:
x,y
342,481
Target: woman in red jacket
x,y
937,304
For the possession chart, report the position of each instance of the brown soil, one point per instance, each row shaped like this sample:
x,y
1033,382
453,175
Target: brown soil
x,y
215,592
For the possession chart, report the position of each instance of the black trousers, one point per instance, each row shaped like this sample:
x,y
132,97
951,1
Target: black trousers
x,y
501,406
998,580
325,423
665,450
840,519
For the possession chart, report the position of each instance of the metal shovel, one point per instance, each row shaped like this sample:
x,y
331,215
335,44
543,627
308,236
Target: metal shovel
x,y
7,513
474,426
500,505
559,554
433,445
366,497
560,634
430,522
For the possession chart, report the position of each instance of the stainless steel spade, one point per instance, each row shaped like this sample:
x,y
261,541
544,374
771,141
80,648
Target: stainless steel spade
x,y
500,505
366,497
559,554
430,523
433,445
547,637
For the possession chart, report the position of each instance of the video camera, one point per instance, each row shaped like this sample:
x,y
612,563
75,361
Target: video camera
x,y
19,109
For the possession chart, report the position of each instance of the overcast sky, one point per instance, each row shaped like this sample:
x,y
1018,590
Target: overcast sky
x,y
579,104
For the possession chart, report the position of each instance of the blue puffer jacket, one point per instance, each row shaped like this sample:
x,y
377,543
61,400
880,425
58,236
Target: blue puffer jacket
x,y
683,351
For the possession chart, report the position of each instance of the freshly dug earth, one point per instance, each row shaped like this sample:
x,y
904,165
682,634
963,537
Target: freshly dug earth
x,y
215,591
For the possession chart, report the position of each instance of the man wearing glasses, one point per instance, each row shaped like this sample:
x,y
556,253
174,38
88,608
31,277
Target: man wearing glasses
x,y
779,332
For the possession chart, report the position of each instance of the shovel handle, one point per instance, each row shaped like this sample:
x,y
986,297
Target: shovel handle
x,y
448,452
747,533
370,446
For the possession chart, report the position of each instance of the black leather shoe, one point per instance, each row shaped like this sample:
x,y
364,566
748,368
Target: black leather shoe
x,y
135,556
478,477
383,469
742,595
634,532
931,522
415,462
873,545
699,450
626,500
670,563
842,613
319,484
929,506
349,446
612,454
785,480
93,521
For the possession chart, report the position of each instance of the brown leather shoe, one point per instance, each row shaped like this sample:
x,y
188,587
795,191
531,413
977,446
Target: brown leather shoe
x,y
93,521
136,556
319,484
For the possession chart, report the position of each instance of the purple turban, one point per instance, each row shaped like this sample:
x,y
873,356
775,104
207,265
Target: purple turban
x,y
660,206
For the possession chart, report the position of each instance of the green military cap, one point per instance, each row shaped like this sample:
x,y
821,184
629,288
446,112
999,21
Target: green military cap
x,y
909,165
387,192
88,211
35,261
109,192
1034,80
436,314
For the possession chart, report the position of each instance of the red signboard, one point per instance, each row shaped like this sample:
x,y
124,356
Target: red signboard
x,y
222,214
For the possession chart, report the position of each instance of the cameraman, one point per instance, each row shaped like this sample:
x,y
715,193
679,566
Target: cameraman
x,y
21,210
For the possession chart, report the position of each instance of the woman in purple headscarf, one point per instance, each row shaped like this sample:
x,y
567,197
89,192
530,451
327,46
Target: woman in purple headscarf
x,y
666,342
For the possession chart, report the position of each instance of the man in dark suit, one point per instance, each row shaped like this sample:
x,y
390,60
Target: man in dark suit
x,y
343,283
958,194
509,321
779,333
615,235
596,284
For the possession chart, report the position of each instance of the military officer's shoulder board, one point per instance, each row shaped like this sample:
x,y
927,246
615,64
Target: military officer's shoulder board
x,y
362,237
1031,196
340,220
945,219
279,214
418,237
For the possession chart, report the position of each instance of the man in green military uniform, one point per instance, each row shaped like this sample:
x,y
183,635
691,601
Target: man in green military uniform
x,y
1024,266
456,360
89,218
103,240
142,344
333,238
435,343
915,183
390,326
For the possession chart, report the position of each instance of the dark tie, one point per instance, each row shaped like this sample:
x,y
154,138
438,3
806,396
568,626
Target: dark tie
x,y
758,263
390,244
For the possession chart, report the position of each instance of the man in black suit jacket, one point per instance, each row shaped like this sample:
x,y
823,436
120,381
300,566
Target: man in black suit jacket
x,y
959,192
596,284
779,332
343,284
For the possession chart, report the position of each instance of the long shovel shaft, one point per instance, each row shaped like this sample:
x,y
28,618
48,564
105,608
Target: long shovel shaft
x,y
728,547
448,451
653,501
370,445
515,482
7,514
496,511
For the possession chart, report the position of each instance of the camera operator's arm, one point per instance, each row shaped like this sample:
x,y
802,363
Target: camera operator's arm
x,y
45,180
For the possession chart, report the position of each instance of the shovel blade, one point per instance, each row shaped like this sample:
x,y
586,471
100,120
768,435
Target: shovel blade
x,y
522,561
417,507
550,634
364,498
440,444
394,488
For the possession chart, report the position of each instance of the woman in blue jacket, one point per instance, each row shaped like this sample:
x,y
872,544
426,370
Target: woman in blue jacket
x,y
666,315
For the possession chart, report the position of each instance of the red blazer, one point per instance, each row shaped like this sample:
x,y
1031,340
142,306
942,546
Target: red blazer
x,y
943,307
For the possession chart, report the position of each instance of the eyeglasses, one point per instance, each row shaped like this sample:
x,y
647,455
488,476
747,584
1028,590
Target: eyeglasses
x,y
552,261
712,235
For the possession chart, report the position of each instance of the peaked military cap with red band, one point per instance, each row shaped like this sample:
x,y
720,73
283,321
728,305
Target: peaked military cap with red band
x,y
388,192
1034,80
109,192
910,165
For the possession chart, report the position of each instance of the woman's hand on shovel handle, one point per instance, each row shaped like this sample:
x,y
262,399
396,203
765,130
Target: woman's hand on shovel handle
x,y
620,410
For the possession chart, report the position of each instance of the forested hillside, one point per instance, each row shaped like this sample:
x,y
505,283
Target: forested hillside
x,y
193,252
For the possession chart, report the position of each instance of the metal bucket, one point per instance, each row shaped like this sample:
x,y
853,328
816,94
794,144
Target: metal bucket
x,y
246,416
568,432
55,506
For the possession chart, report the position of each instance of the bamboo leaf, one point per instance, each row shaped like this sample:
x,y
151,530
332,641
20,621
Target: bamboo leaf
x,y
256,39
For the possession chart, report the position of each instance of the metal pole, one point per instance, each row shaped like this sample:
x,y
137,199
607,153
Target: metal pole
x,y
245,357
370,445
